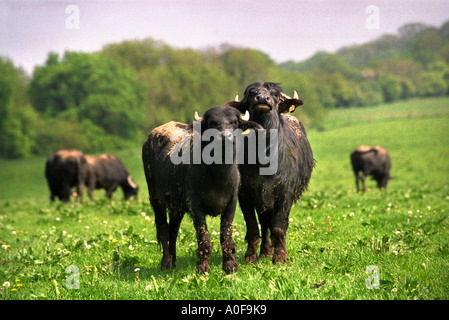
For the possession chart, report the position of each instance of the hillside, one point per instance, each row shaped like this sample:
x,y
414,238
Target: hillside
x,y
111,99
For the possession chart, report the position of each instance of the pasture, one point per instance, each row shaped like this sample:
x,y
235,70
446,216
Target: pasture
x,y
335,234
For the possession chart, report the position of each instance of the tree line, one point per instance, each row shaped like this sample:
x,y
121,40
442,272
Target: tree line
x,y
112,98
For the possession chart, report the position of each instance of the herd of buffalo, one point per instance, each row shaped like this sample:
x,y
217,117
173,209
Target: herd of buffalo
x,y
202,187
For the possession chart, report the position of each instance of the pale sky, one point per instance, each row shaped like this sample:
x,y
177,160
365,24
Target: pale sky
x,y
283,29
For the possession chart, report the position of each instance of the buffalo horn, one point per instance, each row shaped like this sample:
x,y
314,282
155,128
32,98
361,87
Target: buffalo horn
x,y
197,117
236,98
285,96
245,117
295,95
131,182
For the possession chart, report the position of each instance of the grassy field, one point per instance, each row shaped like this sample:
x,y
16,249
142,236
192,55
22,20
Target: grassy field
x,y
335,234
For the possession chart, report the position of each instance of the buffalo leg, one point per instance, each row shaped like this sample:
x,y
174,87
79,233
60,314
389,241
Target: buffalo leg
x,y
252,231
173,226
204,243
357,180
162,233
363,182
265,221
279,230
80,190
226,241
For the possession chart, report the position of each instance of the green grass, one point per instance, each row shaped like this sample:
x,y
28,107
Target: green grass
x,y
333,236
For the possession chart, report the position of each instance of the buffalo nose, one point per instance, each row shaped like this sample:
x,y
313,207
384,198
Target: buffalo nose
x,y
263,98
227,134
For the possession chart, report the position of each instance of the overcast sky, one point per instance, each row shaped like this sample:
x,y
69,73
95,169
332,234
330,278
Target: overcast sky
x,y
284,29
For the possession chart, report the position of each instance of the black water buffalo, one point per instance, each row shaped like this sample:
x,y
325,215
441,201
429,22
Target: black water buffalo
x,y
272,195
108,172
65,169
373,161
181,182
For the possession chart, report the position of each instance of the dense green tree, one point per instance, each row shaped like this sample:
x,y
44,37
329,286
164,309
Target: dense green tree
x,y
17,118
86,86
391,87
247,65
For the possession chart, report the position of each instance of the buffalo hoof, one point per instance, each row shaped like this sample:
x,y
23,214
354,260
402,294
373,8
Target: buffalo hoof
x,y
230,266
280,257
266,251
166,264
202,266
251,258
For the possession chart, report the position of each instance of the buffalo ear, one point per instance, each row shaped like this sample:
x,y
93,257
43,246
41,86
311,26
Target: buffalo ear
x,y
289,105
246,125
239,105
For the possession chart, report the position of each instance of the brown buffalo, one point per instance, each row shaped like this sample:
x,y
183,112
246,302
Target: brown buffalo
x,y
108,172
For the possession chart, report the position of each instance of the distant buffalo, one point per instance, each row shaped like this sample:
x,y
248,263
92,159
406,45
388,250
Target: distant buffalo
x,y
65,169
373,161
108,172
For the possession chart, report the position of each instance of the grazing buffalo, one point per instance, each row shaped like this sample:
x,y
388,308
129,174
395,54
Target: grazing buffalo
x,y
66,169
108,172
180,181
272,195
373,161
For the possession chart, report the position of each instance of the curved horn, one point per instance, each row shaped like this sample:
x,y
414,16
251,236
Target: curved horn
x,y
236,98
197,117
131,182
245,117
295,95
283,95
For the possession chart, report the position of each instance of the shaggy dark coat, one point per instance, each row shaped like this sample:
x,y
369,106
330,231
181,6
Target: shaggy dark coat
x,y
65,169
374,161
272,196
200,189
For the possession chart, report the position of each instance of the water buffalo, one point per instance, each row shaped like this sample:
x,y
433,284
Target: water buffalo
x,y
65,169
272,196
108,172
194,186
373,161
